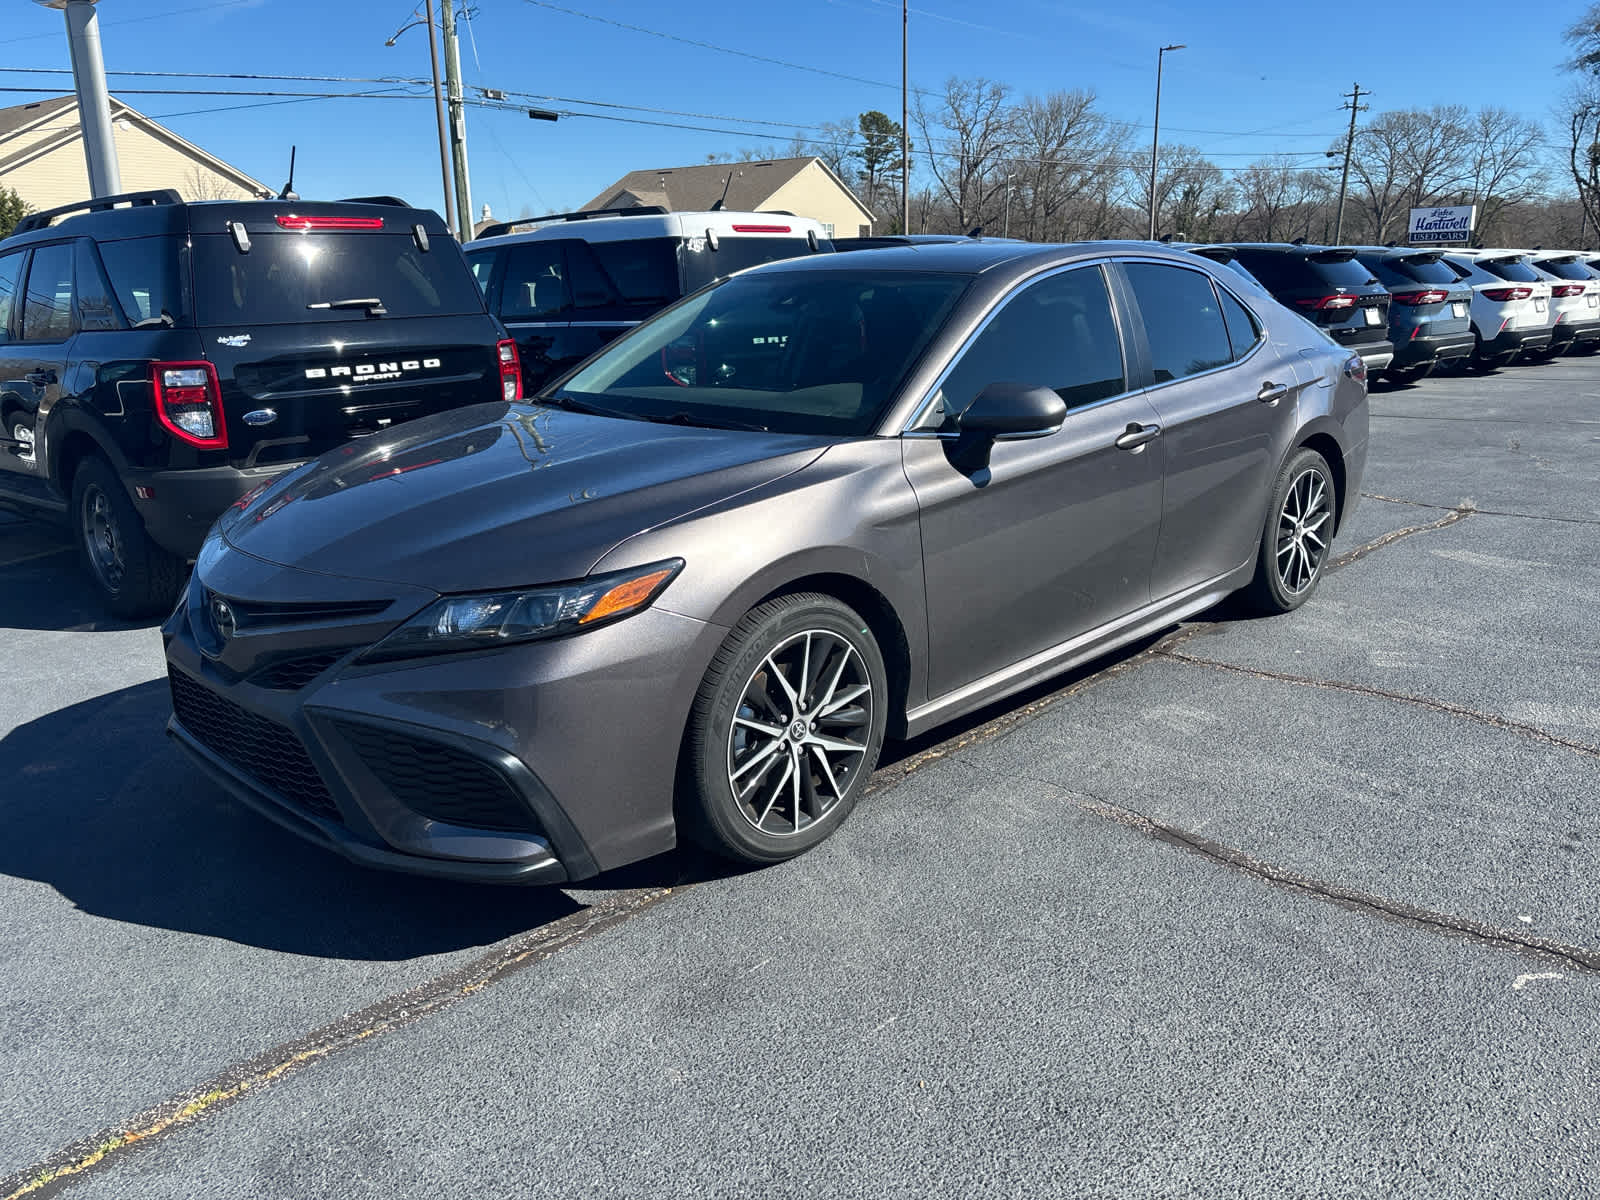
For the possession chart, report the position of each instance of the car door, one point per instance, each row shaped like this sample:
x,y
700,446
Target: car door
x,y
1056,535
34,367
1225,397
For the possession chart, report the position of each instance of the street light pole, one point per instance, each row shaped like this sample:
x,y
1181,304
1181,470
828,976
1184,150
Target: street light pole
x,y
1007,231
905,117
94,104
1155,137
438,112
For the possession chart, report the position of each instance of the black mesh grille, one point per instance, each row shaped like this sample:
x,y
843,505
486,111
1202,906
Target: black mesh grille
x,y
293,674
439,781
262,749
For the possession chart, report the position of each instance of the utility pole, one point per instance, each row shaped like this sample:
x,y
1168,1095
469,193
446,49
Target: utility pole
x,y
94,104
1355,106
458,120
905,117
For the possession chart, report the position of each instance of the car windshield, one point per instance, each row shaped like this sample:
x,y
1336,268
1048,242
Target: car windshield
x,y
796,352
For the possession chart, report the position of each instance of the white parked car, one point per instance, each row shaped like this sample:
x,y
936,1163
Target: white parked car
x,y
1510,304
1574,299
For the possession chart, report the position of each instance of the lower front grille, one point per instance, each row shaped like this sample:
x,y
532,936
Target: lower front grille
x,y
439,781
292,674
264,750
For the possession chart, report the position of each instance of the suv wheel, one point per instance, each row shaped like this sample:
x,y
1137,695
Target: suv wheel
x,y
136,577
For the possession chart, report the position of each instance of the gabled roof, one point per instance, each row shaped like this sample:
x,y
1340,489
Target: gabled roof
x,y
21,117
697,188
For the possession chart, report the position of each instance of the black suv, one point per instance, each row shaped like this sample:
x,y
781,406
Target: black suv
x,y
159,359
1330,287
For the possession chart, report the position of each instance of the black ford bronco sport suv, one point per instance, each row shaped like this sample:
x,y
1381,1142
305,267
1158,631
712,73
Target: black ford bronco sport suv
x,y
159,359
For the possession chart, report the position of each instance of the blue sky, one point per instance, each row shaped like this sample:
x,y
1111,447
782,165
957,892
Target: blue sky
x,y
1257,77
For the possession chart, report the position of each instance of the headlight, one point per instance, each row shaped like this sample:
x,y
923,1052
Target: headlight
x,y
502,618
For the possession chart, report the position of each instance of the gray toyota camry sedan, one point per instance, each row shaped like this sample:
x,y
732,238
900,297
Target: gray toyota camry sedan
x,y
694,586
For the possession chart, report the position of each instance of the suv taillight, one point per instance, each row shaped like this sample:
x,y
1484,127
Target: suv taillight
x,y
188,401
1324,303
1428,297
510,370
1567,289
1521,293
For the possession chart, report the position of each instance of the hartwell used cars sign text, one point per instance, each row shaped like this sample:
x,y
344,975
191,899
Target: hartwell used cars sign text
x,y
1443,224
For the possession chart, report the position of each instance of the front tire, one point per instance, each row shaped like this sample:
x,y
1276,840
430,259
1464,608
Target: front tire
x,y
1297,536
785,730
135,577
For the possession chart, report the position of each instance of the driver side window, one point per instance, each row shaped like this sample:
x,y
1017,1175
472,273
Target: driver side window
x,y
1057,333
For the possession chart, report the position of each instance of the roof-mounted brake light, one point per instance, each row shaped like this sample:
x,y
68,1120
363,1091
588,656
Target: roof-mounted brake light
x,y
299,223
762,229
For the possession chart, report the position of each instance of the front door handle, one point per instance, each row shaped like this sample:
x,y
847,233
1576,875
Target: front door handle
x,y
1271,393
40,378
1137,435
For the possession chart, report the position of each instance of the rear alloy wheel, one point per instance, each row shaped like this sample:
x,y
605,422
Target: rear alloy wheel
x,y
1297,537
785,730
135,577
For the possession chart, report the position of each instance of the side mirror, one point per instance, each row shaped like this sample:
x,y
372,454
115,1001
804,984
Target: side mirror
x,y
1012,412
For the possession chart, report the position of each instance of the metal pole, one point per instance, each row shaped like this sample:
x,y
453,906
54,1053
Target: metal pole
x,y
1344,180
905,117
1007,230
438,107
1155,138
94,104
458,121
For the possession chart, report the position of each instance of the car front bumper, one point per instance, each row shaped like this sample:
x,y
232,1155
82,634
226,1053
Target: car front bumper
x,y
535,763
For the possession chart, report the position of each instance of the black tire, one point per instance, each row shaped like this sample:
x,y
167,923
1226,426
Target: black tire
x,y
778,633
1285,579
134,576
1405,376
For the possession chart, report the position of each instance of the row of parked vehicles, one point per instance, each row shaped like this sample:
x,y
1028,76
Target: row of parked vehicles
x,y
1411,310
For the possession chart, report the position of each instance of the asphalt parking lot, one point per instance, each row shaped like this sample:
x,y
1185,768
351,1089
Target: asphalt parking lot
x,y
1299,907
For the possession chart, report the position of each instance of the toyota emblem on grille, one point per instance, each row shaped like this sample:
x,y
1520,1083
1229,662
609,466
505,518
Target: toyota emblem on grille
x,y
223,622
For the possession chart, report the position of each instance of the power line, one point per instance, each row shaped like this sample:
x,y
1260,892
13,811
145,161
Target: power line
x,y
175,12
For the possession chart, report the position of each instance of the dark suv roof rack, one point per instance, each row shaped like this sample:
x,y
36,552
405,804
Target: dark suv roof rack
x,y
41,220
642,210
392,201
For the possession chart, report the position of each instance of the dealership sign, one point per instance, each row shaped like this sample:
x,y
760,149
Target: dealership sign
x,y
1443,224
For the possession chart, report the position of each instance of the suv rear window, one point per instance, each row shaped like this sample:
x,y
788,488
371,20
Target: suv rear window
x,y
701,266
643,271
1279,270
1424,270
1569,268
1336,270
1511,272
285,273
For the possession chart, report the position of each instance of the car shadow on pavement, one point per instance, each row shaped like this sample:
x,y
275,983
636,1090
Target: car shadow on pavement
x,y
102,808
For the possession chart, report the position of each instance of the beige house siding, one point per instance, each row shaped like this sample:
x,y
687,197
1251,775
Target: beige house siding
x,y
815,193
45,164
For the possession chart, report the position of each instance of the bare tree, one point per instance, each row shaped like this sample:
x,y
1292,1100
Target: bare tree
x,y
1067,161
1506,166
200,184
1191,194
967,139
1409,158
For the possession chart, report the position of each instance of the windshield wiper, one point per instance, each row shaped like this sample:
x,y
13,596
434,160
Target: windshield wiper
x,y
372,304
573,404
683,418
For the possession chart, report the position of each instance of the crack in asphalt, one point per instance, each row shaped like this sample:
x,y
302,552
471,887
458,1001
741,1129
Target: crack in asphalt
x,y
104,1150
1578,957
394,1012
1505,724
1485,512
1378,416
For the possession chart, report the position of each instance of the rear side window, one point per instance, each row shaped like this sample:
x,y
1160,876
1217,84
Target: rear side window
x,y
1182,320
535,286
10,268
1275,271
482,267
1243,329
1570,269
1422,270
702,264
146,278
284,275
1511,272
96,309
638,272
47,315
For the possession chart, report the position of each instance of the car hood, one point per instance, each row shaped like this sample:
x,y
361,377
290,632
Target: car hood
x,y
499,495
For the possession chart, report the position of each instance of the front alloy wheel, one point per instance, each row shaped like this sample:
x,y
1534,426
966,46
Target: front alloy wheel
x,y
785,730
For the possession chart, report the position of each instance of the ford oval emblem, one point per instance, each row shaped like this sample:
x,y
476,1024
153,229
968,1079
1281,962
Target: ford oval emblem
x,y
261,416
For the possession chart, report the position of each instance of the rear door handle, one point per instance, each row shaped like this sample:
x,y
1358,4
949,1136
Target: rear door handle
x,y
1137,435
40,378
1271,393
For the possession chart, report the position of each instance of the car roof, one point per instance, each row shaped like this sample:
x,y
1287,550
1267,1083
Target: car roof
x,y
626,227
973,257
